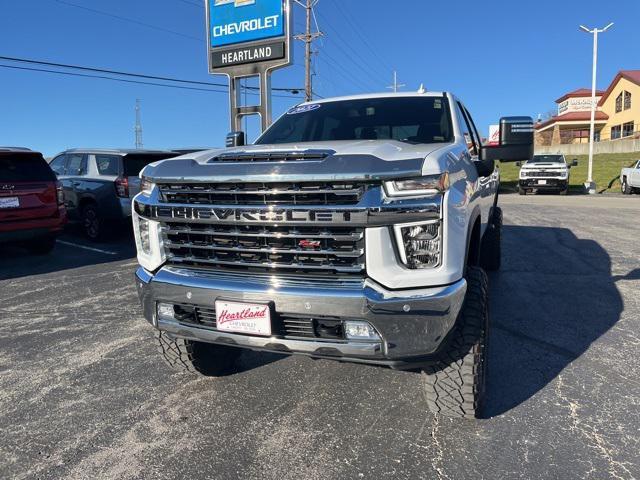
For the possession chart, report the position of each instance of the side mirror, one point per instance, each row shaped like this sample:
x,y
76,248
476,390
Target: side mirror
x,y
518,164
574,163
235,139
485,168
516,141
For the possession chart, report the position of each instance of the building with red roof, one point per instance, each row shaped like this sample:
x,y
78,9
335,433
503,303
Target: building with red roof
x,y
617,113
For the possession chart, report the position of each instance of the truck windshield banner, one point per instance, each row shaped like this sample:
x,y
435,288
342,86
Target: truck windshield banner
x,y
239,21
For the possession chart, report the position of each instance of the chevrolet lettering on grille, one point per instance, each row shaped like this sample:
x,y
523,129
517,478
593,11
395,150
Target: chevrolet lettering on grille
x,y
257,215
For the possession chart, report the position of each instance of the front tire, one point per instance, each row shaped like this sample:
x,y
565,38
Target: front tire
x,y
624,186
522,191
456,383
197,358
491,248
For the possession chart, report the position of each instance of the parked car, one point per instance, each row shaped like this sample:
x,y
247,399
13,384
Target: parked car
x,y
630,179
545,172
363,237
32,212
98,185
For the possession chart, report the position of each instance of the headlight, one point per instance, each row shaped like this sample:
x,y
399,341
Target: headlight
x,y
429,185
146,185
148,242
420,245
523,174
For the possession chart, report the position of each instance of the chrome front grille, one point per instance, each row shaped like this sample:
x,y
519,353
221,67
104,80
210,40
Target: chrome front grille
x,y
341,193
262,248
543,173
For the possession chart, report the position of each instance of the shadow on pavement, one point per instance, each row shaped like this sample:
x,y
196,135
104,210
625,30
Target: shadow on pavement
x,y
72,251
554,297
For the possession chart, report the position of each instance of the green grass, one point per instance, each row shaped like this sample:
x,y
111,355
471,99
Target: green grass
x,y
606,171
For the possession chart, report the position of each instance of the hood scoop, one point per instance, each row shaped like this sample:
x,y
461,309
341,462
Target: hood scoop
x,y
272,156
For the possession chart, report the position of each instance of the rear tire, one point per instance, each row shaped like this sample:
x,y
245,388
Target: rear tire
x,y
491,248
197,358
41,246
456,384
92,224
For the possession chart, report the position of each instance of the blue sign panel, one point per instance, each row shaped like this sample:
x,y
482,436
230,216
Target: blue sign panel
x,y
239,21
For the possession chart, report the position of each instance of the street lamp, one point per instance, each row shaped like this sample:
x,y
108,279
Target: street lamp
x,y
590,185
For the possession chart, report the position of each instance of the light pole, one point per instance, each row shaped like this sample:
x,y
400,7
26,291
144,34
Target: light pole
x,y
590,185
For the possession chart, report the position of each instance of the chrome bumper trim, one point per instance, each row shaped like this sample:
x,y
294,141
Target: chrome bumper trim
x,y
411,323
274,344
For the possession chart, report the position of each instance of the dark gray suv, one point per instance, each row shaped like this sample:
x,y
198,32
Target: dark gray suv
x,y
98,184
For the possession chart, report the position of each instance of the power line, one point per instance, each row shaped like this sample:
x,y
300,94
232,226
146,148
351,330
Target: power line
x,y
356,29
130,20
122,80
354,59
130,74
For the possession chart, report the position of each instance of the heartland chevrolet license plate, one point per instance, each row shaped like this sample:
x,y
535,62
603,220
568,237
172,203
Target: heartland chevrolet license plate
x,y
542,182
247,318
9,202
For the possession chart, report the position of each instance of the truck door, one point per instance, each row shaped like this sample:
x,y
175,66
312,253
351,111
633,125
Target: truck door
x,y
635,176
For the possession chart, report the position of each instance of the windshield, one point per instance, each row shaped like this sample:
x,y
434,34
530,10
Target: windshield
x,y
406,119
547,159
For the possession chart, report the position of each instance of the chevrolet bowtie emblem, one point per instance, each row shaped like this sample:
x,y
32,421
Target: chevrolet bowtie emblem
x,y
238,3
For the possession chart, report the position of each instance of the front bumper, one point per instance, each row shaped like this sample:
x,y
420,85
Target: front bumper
x,y
551,183
412,324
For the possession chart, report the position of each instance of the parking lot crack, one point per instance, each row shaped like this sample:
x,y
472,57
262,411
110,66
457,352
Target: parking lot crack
x,y
590,433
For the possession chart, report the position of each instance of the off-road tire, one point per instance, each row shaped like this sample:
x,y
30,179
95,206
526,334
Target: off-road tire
x,y
197,358
455,385
92,224
624,186
41,246
491,249
522,191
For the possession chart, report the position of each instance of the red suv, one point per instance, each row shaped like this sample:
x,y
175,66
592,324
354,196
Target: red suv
x,y
32,211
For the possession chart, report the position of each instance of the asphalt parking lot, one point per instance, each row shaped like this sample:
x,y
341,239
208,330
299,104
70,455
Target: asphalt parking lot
x,y
83,394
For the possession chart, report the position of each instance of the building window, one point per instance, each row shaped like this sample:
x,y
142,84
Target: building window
x,y
619,103
627,100
616,132
627,129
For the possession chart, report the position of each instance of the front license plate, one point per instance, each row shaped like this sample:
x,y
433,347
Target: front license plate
x,y
542,182
247,318
9,202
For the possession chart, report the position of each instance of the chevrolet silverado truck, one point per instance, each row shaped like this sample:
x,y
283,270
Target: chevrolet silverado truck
x,y
545,173
355,229
630,179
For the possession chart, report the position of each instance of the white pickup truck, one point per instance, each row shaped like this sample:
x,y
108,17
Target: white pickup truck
x,y
355,229
630,179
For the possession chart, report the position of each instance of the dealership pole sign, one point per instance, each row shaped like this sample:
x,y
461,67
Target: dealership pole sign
x,y
248,38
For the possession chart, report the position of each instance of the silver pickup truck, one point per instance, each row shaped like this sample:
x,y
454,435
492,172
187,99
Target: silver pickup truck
x,y
355,229
630,179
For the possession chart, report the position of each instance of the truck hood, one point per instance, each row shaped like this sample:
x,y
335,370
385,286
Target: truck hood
x,y
346,160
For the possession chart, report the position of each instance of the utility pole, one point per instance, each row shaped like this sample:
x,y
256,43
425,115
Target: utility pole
x,y
138,128
590,186
396,86
308,39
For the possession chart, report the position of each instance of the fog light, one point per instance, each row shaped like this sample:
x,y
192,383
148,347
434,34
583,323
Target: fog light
x,y
166,311
360,331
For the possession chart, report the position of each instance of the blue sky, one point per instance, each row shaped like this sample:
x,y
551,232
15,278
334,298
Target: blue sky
x,y
500,57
